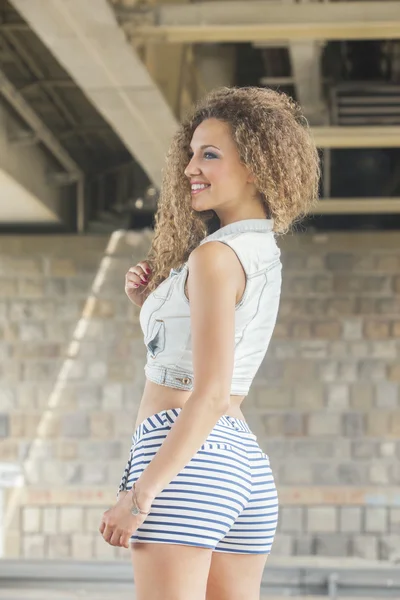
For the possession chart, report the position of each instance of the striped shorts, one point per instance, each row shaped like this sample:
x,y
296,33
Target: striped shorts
x,y
225,498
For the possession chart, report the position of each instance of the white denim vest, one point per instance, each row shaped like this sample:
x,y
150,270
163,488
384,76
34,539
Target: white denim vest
x,y
165,314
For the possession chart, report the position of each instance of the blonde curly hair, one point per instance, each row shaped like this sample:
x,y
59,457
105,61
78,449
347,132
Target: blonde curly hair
x,y
274,142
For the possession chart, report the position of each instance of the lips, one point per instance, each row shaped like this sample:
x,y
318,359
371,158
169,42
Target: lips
x,y
197,190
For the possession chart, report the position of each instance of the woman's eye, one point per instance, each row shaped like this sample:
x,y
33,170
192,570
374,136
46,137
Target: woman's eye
x,y
206,155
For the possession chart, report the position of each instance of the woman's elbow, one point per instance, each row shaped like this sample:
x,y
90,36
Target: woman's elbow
x,y
217,398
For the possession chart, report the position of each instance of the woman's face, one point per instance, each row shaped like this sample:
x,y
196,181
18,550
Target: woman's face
x,y
219,181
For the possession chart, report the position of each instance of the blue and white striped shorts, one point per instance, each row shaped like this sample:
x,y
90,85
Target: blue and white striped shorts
x,y
225,498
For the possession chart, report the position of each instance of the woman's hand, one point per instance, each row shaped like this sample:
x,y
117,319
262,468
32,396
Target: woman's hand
x,y
118,524
136,281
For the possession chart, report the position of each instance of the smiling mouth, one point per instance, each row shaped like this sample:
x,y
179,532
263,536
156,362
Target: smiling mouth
x,y
199,190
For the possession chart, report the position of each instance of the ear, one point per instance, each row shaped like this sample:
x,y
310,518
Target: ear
x,y
250,177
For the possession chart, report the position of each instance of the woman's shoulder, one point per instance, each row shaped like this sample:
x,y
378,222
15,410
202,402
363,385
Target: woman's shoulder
x,y
212,255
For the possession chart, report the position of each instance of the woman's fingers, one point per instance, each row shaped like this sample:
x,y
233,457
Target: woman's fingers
x,y
137,271
116,531
131,283
115,537
124,540
144,266
134,280
137,275
142,269
108,533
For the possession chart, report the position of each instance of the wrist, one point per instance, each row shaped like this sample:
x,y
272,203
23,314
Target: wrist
x,y
144,497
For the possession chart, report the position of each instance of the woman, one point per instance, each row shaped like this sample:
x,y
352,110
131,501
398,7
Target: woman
x,y
197,500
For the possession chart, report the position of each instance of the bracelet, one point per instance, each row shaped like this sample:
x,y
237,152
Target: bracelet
x,y
135,509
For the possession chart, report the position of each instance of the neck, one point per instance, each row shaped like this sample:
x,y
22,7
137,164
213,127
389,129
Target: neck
x,y
251,208
228,219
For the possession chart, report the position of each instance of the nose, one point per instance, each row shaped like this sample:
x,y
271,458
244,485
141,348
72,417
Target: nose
x,y
192,168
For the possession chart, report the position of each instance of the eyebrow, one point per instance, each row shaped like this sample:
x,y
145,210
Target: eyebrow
x,y
205,146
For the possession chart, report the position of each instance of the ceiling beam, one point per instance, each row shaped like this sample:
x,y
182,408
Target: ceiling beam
x,y
262,20
87,41
10,26
357,137
41,131
354,206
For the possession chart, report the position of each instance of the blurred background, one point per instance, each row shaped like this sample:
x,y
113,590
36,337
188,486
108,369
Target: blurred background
x,y
91,93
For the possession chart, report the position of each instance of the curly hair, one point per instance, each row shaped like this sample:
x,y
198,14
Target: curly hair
x,y
274,142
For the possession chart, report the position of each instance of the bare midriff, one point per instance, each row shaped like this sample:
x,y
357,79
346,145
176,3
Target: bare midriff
x,y
157,398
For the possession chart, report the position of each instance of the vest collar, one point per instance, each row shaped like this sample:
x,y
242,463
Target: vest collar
x,y
262,225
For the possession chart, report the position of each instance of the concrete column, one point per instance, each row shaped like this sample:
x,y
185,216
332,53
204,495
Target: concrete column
x,y
306,69
27,195
215,64
10,477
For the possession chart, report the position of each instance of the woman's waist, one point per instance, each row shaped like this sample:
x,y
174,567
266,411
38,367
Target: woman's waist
x,y
157,398
182,378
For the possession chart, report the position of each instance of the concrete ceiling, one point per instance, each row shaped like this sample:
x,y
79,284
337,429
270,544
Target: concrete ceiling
x,y
263,20
18,205
88,42
95,43
31,157
303,27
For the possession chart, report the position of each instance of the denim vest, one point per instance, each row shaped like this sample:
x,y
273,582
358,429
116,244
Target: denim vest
x,y
165,314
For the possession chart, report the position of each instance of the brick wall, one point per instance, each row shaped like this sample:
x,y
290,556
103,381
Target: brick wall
x,y
325,403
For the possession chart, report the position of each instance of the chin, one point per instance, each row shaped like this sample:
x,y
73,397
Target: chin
x,y
200,206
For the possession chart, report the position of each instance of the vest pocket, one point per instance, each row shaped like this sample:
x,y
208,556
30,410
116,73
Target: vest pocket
x,y
156,341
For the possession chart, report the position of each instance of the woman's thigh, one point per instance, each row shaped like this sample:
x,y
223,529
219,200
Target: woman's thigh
x,y
235,576
170,571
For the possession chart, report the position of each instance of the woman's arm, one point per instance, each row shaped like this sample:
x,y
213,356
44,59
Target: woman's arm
x,y
212,284
215,277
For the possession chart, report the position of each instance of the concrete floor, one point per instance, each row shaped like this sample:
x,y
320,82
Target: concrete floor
x,y
110,594
31,580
